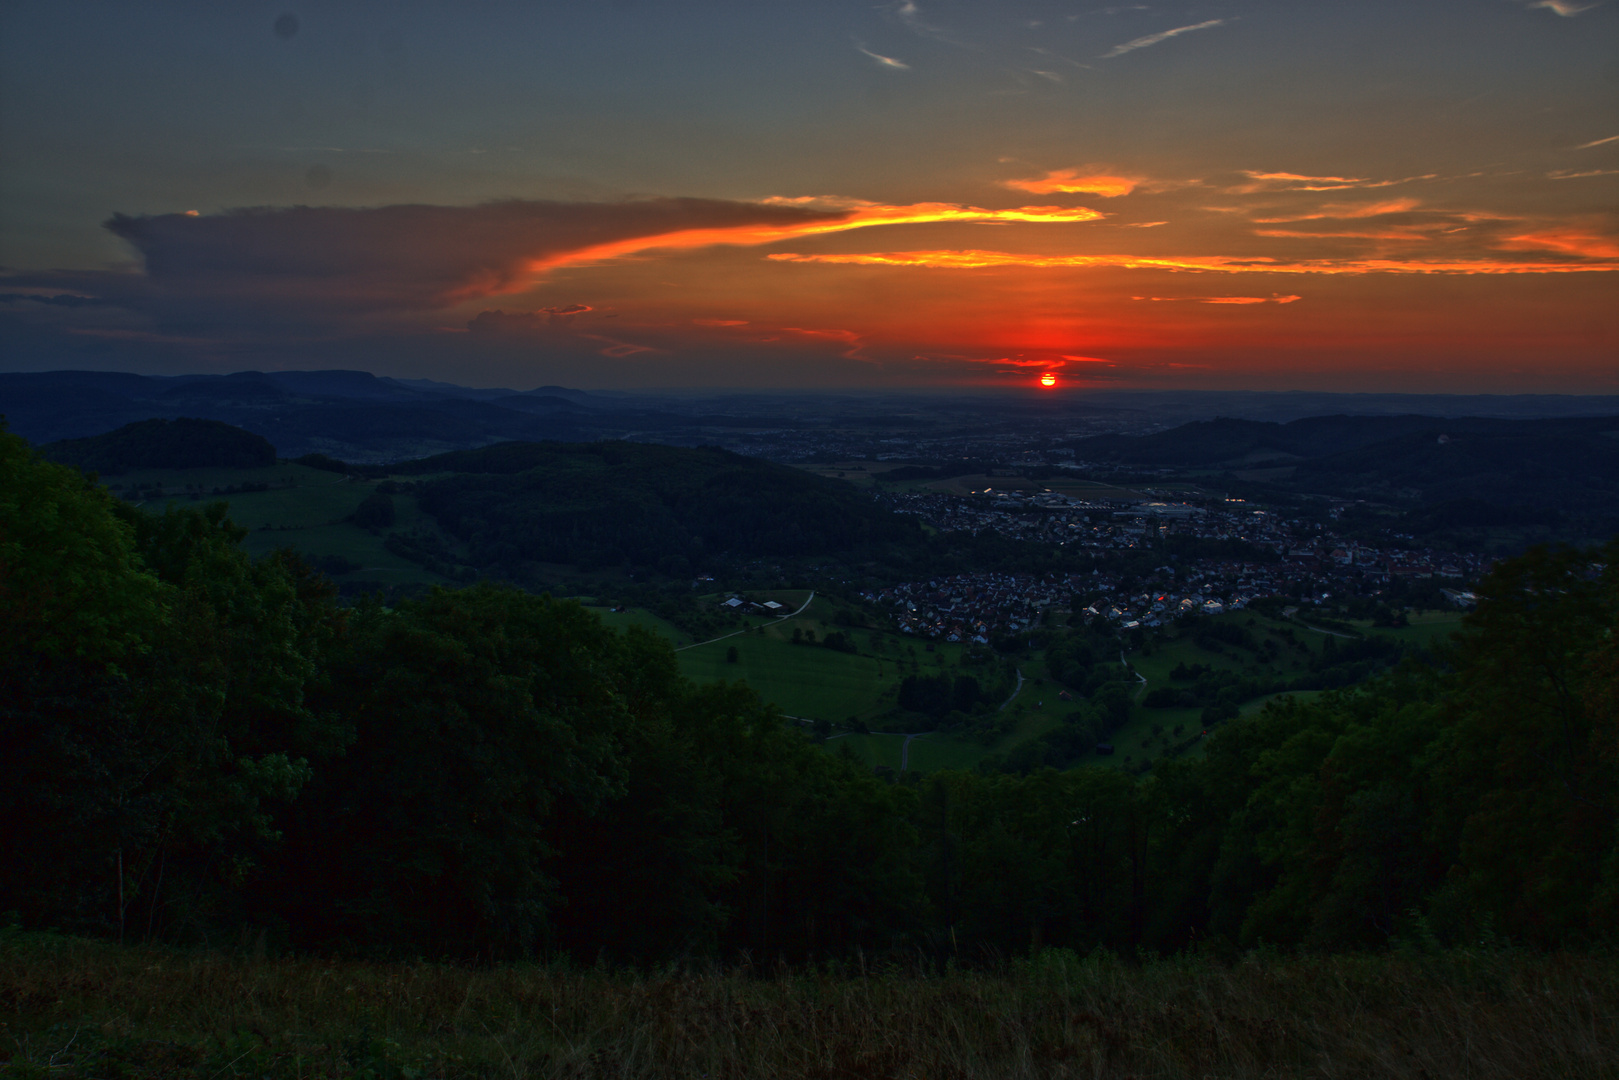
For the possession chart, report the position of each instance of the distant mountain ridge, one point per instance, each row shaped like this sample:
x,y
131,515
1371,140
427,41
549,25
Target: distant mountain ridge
x,y
352,415
362,418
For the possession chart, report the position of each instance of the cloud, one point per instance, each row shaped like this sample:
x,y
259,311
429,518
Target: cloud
x,y
1568,240
495,322
1565,174
1597,142
1274,298
852,214
1562,7
551,330
64,300
1410,232
908,13
317,264
565,314
1344,211
1285,181
1153,39
719,322
1220,264
617,349
1072,182
885,61
313,271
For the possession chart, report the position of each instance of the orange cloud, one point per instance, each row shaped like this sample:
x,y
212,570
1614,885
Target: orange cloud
x,y
1285,181
1223,264
1568,240
617,349
1340,211
1273,299
847,337
720,322
1071,182
856,215
1407,232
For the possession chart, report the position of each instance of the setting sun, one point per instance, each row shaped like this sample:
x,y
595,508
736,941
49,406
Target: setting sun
x,y
1048,379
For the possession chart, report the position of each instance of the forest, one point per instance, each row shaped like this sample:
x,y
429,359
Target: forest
x,y
202,747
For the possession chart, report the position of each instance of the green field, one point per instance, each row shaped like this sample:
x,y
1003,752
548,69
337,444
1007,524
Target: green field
x,y
303,509
818,683
1149,733
623,620
1427,628
806,681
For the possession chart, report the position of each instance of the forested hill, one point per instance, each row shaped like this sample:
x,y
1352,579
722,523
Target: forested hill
x,y
609,502
165,444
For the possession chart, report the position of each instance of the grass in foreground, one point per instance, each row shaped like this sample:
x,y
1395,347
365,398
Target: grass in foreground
x,y
77,1008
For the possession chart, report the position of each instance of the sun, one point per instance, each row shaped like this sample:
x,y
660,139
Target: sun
x,y
1048,379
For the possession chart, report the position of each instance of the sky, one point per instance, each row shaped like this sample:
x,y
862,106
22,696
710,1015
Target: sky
x,y
1411,196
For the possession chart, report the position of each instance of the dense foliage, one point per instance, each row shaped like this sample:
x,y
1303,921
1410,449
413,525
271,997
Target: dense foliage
x,y
166,444
608,503
197,742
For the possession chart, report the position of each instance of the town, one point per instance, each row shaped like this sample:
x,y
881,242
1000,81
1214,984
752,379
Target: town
x,y
1293,560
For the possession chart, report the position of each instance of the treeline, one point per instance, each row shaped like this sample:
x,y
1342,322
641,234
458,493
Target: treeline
x,y
197,743
669,508
166,444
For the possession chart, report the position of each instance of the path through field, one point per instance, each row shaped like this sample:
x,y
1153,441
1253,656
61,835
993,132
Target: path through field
x,y
734,633
1142,689
905,752
1318,629
1015,691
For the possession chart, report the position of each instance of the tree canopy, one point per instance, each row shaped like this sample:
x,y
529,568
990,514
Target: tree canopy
x,y
198,741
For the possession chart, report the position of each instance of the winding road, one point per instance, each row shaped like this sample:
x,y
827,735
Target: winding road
x,y
1016,690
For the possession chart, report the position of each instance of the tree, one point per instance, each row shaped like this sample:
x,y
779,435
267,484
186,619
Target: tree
x,y
476,712
152,682
79,614
1533,793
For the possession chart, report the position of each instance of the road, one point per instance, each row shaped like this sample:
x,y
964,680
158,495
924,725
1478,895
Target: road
x,y
905,753
1320,630
1143,687
904,749
1015,691
734,633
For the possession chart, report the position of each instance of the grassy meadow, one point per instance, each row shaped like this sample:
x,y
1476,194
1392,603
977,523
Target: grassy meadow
x,y
810,681
819,683
303,508
78,1009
